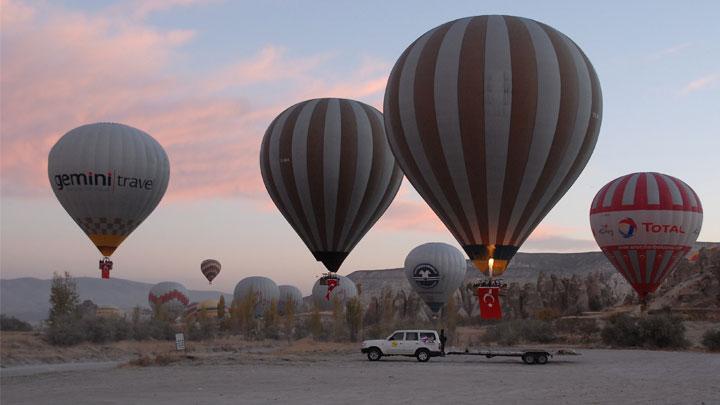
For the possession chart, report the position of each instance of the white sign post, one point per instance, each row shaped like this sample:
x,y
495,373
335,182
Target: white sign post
x,y
179,341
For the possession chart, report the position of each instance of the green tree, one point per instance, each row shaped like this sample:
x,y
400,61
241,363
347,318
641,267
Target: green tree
x,y
64,298
354,316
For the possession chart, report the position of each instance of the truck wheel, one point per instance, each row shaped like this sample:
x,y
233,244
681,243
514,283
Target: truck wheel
x,y
422,355
374,354
528,358
541,358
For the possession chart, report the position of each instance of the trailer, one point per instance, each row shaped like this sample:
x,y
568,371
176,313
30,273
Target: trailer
x,y
531,356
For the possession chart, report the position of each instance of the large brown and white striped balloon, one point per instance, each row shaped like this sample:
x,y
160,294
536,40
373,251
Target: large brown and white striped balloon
x,y
492,118
327,166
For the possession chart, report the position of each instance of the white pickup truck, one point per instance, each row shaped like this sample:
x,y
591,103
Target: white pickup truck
x,y
421,344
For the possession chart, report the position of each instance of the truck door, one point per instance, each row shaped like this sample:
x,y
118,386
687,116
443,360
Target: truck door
x,y
411,343
395,343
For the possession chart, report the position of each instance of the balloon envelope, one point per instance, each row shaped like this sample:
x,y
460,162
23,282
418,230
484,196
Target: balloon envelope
x,y
169,296
327,167
265,290
435,271
109,178
645,223
290,293
492,118
210,268
344,291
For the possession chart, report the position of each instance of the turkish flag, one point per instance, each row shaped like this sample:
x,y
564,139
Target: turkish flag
x,y
489,302
331,284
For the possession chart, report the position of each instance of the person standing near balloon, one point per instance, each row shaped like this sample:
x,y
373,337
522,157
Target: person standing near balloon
x,y
109,177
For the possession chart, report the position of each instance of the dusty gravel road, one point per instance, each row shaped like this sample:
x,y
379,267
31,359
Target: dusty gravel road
x,y
598,376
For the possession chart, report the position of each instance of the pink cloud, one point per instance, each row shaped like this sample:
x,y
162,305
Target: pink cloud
x,y
63,68
703,83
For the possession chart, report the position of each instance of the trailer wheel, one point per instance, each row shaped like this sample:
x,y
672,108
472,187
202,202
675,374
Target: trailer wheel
x,y
541,358
528,358
374,354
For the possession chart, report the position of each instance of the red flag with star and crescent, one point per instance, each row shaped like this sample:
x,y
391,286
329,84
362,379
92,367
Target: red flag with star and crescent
x,y
331,284
489,298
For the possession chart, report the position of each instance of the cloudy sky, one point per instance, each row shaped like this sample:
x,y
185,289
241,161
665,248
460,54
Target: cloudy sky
x,y
205,78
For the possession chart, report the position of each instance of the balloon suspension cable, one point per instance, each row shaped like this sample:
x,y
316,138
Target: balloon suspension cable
x,y
105,266
643,304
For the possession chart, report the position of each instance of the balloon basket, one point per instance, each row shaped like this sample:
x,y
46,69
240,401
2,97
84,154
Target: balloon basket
x,y
105,266
330,278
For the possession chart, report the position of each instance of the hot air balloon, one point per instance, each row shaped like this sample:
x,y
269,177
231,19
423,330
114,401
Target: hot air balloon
x,y
169,297
435,271
327,167
645,223
492,118
323,298
109,178
210,268
265,292
290,293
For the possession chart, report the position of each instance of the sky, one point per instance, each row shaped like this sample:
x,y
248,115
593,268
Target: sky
x,y
205,78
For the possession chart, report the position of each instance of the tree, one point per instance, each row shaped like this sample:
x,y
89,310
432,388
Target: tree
x,y
338,320
289,318
64,298
354,316
270,321
221,307
315,323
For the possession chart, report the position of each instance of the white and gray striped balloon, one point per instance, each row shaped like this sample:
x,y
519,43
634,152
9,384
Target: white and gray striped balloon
x,y
264,289
492,118
344,291
328,168
290,293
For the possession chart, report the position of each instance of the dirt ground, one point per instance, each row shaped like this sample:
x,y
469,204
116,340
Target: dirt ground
x,y
310,374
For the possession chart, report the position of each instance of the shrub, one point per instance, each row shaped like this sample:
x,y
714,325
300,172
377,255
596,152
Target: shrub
x,y
621,330
711,340
12,324
662,331
652,331
65,331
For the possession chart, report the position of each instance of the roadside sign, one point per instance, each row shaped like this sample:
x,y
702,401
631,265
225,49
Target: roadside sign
x,y
180,341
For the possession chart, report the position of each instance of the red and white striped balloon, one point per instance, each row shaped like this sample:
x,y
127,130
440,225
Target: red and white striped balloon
x,y
645,223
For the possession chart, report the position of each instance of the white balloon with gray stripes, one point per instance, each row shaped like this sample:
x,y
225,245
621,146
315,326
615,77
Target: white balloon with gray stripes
x,y
328,168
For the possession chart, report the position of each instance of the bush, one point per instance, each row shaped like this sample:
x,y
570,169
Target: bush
x,y
65,331
12,324
662,331
652,331
621,330
711,340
